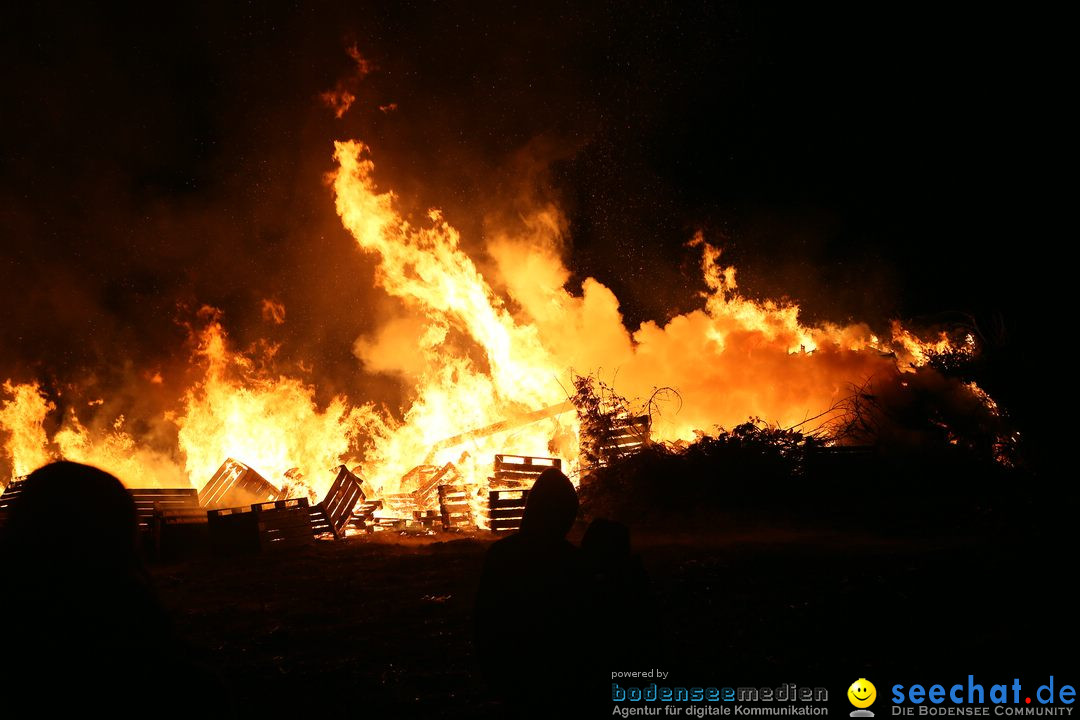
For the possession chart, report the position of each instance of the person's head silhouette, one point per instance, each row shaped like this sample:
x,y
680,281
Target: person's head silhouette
x,y
551,507
86,606
74,517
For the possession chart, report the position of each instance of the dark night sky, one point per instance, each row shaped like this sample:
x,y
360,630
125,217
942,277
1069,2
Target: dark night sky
x,y
869,161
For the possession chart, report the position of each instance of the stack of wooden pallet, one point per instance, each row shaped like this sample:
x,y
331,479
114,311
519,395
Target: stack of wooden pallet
x,y
513,476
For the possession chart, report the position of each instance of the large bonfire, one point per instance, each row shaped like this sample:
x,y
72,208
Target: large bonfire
x,y
475,350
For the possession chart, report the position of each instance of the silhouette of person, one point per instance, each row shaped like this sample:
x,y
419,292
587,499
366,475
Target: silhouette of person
x,y
623,609
84,630
529,620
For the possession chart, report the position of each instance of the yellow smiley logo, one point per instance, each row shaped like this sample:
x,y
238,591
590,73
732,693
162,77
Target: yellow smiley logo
x,y
862,693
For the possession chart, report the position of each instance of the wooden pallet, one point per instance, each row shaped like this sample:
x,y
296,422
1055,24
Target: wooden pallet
x,y
418,477
627,437
387,524
175,517
236,484
428,519
515,471
455,508
400,505
365,486
179,532
284,523
505,509
273,525
11,492
12,484
409,525
425,492
363,517
149,501
336,509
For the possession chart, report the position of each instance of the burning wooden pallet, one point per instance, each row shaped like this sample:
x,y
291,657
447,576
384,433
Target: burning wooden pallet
x,y
365,487
505,510
399,510
428,519
514,476
11,492
400,505
428,484
455,508
402,525
336,509
417,478
627,437
515,471
11,484
388,524
235,484
363,516
416,510
273,525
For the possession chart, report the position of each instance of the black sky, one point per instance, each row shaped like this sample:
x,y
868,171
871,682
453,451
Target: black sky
x,y
870,161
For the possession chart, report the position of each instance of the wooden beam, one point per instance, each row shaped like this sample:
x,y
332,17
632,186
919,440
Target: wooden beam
x,y
502,426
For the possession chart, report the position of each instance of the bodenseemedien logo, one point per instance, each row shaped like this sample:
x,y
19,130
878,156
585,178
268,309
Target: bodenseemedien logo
x,y
697,701
862,694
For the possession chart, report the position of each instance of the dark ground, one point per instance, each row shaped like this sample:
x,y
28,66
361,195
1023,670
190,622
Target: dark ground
x,y
380,625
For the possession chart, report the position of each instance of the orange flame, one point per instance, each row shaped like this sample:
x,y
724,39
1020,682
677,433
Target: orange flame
x,y
22,417
114,450
426,267
272,423
733,359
